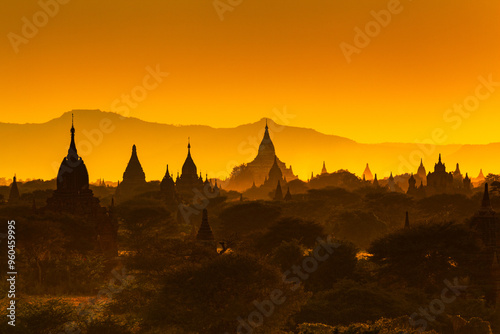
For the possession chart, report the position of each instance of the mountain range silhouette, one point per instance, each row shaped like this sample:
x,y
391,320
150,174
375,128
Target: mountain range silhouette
x,y
105,139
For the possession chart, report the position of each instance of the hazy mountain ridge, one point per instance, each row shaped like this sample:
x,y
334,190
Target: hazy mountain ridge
x,y
35,150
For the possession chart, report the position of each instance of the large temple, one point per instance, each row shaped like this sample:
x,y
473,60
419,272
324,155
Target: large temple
x,y
257,170
439,181
74,196
187,187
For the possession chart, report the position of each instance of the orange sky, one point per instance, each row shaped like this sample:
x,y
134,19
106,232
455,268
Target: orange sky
x,y
263,55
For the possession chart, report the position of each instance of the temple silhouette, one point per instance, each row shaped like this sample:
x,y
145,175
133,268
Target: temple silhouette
x,y
257,171
134,179
189,180
439,181
73,196
14,192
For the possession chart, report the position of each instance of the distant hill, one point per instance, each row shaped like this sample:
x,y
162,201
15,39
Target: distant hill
x,y
36,150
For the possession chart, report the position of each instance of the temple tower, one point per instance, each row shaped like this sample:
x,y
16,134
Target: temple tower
x,y
421,173
74,197
134,178
367,174
189,180
323,170
167,188
278,194
14,191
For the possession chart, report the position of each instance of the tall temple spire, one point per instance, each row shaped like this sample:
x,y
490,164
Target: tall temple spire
x,y
14,191
205,232
278,195
288,195
323,170
486,204
72,152
189,168
72,176
367,173
134,171
275,172
439,158
266,147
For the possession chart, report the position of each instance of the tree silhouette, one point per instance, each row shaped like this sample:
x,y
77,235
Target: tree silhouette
x,y
425,255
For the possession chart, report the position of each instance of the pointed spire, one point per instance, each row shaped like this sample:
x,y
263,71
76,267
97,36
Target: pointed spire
x,y
486,204
288,195
72,152
14,191
323,170
205,232
481,175
407,221
216,188
133,171
439,158
278,195
421,162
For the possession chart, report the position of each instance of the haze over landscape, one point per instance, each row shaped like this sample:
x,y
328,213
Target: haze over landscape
x,y
38,149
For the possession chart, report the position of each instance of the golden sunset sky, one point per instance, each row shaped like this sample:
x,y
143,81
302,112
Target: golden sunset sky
x,y
263,55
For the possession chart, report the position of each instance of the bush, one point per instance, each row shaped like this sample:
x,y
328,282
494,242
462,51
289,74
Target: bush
x,y
107,325
382,326
39,317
